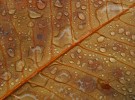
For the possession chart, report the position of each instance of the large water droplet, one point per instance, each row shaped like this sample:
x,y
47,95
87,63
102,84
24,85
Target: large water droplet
x,y
100,39
6,76
40,4
64,37
20,65
63,76
58,3
33,14
81,16
11,11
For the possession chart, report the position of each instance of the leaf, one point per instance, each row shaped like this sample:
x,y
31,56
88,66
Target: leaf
x,y
67,49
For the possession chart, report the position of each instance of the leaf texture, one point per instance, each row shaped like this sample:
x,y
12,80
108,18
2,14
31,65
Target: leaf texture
x,y
67,49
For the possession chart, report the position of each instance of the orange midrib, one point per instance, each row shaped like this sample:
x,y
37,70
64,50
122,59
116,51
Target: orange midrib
x,y
65,51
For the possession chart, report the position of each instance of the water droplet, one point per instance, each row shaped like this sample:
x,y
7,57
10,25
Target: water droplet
x,y
100,97
128,72
71,62
30,1
63,76
3,13
83,64
81,16
79,50
133,37
130,90
20,65
127,33
112,60
11,52
132,53
112,33
121,30
114,48
29,96
100,39
123,54
112,10
6,76
66,13
12,83
78,62
122,80
30,70
54,70
78,4
102,49
58,3
34,14
83,7
40,4
59,15
11,11
80,26
38,50
30,24
87,84
123,88
64,34
90,62
72,55
10,38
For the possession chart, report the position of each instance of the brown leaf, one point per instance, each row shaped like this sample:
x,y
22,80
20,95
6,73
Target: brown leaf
x,y
67,49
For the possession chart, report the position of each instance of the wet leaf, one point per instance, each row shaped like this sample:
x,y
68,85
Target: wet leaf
x,y
67,49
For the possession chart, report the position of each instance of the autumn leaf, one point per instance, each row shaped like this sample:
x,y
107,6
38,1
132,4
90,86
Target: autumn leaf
x,y
67,49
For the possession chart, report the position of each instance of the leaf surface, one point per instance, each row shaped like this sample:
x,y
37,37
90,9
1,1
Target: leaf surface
x,y
67,49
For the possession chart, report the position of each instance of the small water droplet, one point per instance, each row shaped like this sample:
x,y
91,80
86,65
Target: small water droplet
x,y
122,80
133,37
30,24
130,90
66,13
11,11
112,33
72,55
10,38
80,26
127,33
78,4
121,30
59,15
112,60
54,70
83,7
11,52
128,72
12,83
79,50
102,49
114,48
123,54
132,53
